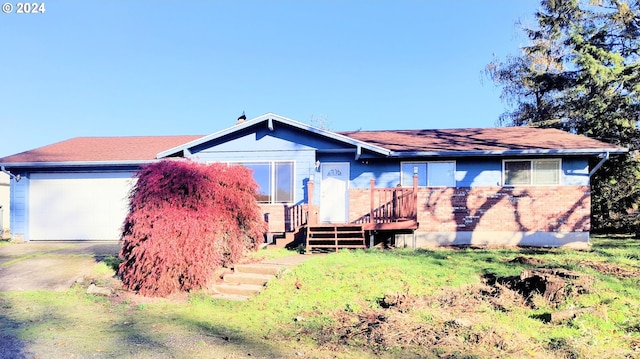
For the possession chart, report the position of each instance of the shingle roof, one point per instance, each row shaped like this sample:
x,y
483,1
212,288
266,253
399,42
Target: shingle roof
x,y
100,149
146,148
478,139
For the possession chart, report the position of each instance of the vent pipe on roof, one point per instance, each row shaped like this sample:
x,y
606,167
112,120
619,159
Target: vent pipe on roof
x,y
241,119
605,157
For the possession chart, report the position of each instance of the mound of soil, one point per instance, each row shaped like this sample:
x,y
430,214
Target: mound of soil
x,y
611,269
554,285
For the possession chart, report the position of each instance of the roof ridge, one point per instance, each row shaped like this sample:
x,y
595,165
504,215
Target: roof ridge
x,y
456,129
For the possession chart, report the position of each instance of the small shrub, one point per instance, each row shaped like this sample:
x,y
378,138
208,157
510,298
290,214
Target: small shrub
x,y
185,220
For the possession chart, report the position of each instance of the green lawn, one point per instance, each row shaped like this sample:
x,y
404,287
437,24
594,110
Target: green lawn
x,y
400,303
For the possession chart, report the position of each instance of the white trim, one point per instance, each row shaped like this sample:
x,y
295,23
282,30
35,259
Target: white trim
x,y
272,182
537,152
77,164
531,160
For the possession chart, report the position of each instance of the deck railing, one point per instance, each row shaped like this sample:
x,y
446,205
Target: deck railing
x,y
300,215
388,205
392,205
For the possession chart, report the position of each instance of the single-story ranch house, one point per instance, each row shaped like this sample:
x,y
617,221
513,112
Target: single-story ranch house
x,y
414,188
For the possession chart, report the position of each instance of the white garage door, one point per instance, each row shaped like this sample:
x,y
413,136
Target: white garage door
x,y
78,206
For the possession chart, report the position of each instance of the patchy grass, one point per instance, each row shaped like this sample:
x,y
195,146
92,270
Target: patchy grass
x,y
453,303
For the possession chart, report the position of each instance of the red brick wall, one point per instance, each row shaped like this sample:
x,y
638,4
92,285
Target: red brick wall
x,y
520,209
275,214
359,203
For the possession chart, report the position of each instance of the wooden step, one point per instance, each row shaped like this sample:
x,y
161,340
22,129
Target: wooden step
x,y
335,228
335,236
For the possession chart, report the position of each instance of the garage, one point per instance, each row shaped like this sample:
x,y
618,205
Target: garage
x,y
74,206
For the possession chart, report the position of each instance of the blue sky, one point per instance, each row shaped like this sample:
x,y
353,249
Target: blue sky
x,y
129,68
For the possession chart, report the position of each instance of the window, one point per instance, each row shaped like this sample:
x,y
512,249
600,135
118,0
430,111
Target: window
x,y
430,174
275,180
531,172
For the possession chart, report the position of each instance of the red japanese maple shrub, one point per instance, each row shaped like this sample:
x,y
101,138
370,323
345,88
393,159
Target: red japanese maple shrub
x,y
186,219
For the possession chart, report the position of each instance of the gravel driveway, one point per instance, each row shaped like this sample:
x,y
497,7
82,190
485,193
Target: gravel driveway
x,y
49,266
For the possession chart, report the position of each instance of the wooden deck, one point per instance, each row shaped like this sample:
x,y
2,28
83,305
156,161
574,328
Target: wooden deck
x,y
391,226
391,209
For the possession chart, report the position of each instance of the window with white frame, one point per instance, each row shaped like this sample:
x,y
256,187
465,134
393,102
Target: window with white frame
x,y
430,174
275,180
531,172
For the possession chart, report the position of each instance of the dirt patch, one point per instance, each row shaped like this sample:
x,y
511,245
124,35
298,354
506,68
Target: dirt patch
x,y
45,273
382,330
452,327
50,266
611,269
450,332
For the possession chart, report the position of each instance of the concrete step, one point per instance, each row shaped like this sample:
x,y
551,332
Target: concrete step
x,y
258,268
233,297
238,289
247,278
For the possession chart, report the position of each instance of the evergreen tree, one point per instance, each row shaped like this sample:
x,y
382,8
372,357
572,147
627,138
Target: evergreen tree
x,y
581,73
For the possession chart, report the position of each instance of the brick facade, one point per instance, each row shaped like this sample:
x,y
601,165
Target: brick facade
x,y
275,215
490,209
486,216
359,203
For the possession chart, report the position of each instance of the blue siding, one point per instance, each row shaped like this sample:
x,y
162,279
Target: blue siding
x,y
258,138
575,171
478,172
19,197
386,174
256,143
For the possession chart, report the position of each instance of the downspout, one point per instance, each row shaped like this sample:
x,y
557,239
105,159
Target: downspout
x,y
602,161
11,175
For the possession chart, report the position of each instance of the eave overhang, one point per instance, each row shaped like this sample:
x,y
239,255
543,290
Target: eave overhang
x,y
77,164
503,153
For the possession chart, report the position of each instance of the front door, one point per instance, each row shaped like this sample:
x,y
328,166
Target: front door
x,y
334,192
